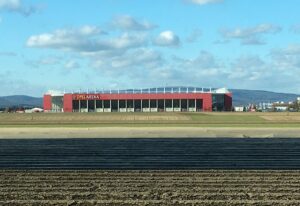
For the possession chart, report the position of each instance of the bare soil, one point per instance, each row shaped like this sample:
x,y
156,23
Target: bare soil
x,y
198,187
146,132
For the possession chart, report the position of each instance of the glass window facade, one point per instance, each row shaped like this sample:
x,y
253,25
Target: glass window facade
x,y
218,102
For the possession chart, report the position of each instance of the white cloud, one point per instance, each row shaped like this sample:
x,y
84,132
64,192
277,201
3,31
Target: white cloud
x,y
132,61
126,22
17,6
86,30
194,36
295,28
10,4
72,64
253,41
204,2
203,70
145,58
44,61
167,39
287,59
247,68
208,70
84,39
64,38
204,61
4,53
51,60
223,41
251,35
15,85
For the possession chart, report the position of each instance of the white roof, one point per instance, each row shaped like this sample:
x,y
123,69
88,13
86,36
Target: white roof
x,y
54,93
222,91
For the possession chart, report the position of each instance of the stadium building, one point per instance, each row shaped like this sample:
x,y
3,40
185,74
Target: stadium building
x,y
170,99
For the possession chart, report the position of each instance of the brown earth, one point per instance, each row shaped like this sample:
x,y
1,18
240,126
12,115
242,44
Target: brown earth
x,y
199,187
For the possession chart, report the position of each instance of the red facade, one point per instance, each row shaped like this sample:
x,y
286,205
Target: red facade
x,y
68,103
205,97
47,102
228,101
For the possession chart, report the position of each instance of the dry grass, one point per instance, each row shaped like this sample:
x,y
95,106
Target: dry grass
x,y
222,118
91,117
282,117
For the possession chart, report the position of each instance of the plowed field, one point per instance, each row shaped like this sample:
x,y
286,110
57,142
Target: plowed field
x,y
151,153
194,187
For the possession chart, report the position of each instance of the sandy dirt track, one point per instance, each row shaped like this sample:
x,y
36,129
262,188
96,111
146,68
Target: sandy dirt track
x,y
196,187
133,132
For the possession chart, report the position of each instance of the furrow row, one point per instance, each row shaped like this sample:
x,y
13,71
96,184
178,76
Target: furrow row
x,y
254,190
152,202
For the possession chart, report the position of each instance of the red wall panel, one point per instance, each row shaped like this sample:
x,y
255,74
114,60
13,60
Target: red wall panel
x,y
207,102
47,102
68,103
228,101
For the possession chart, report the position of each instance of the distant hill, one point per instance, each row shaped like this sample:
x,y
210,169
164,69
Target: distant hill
x,y
240,97
20,100
244,97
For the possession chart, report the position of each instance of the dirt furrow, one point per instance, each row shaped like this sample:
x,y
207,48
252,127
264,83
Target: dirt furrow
x,y
152,202
90,188
150,196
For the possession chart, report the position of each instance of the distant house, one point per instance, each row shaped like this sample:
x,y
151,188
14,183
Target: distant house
x,y
239,109
34,110
281,108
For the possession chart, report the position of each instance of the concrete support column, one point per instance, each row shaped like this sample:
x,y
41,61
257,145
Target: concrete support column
x,y
187,106
126,104
79,105
110,104
134,105
95,105
195,105
118,105
164,104
180,104
87,105
173,104
149,104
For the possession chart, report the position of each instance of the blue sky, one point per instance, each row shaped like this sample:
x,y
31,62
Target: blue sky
x,y
71,45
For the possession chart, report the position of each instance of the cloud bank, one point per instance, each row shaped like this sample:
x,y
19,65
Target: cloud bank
x,y
250,35
167,39
204,2
17,6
